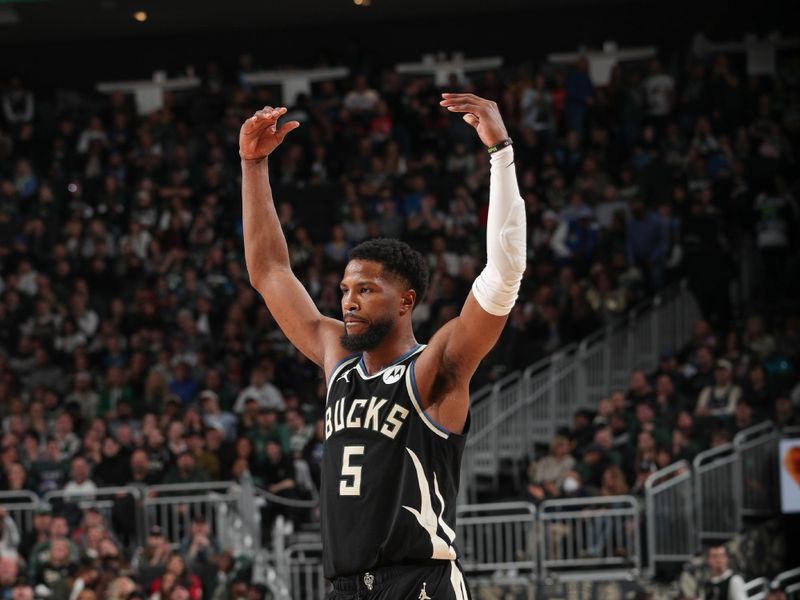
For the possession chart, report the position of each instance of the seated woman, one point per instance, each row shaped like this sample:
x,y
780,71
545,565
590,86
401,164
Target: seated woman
x,y
175,575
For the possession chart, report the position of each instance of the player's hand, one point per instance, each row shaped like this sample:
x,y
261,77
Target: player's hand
x,y
260,135
482,114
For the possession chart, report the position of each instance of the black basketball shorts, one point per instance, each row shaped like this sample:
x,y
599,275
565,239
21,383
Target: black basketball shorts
x,y
443,581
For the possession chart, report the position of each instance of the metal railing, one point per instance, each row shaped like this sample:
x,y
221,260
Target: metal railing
x,y
757,589
727,485
524,409
304,572
246,528
716,471
586,538
497,539
578,539
119,506
669,512
590,538
747,470
21,506
173,507
756,451
789,582
232,510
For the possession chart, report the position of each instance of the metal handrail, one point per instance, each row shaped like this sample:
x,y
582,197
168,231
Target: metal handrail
x,y
21,497
709,456
188,498
20,506
513,378
756,450
666,475
757,589
477,396
706,461
791,431
751,433
570,354
313,502
200,486
787,577
669,477
582,503
600,523
65,495
496,506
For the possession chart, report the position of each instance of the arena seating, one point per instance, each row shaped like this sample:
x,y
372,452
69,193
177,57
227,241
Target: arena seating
x,y
152,411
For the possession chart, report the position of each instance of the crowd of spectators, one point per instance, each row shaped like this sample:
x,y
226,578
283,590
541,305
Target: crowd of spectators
x,y
698,397
134,351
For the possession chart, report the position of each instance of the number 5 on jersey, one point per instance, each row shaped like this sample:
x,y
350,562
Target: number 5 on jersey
x,y
354,471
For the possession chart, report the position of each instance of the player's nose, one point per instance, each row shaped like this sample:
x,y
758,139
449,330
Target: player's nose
x,y
348,303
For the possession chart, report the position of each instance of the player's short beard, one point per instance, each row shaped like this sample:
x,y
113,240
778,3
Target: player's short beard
x,y
371,338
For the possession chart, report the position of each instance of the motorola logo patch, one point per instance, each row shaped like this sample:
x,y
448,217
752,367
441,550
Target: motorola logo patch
x,y
394,374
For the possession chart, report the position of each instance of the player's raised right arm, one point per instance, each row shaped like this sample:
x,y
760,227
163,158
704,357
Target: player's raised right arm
x,y
265,249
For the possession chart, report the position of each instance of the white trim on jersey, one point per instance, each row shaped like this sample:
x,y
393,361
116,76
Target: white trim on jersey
x,y
448,531
426,517
418,405
347,361
362,371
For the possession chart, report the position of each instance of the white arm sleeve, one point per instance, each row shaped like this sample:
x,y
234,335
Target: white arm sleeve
x,y
737,590
497,286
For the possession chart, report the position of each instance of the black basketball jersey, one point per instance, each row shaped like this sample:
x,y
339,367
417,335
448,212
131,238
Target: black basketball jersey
x,y
390,474
718,589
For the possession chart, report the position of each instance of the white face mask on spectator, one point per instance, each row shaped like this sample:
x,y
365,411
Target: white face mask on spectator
x,y
571,485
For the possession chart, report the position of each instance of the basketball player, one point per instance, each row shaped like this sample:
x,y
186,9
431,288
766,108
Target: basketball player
x,y
397,412
724,584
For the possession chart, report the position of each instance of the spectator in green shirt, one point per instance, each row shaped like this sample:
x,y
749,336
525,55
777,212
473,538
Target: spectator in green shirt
x,y
40,554
185,471
646,421
592,464
268,428
114,390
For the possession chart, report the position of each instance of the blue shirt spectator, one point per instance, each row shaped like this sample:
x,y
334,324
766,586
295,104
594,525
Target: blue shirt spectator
x,y
580,93
646,244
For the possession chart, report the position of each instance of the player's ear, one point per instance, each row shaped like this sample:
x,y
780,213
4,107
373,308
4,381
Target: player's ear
x,y
407,301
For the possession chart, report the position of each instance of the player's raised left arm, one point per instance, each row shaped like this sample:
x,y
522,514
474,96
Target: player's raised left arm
x,y
460,345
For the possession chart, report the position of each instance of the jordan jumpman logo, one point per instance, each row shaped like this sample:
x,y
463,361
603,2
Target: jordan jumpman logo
x,y
345,376
423,595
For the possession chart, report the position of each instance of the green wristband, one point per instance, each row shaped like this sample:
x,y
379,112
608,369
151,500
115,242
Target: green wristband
x,y
499,146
